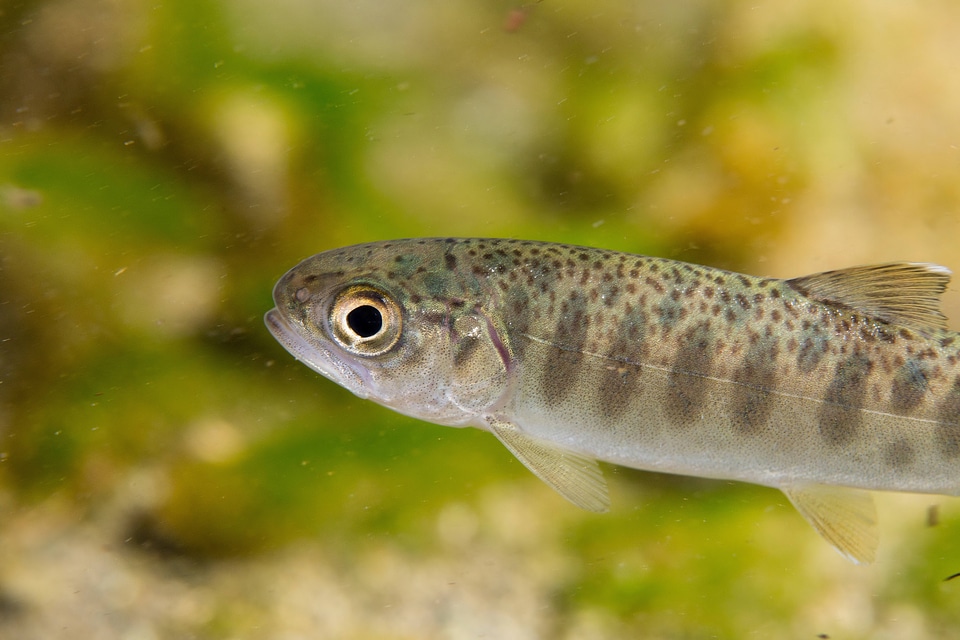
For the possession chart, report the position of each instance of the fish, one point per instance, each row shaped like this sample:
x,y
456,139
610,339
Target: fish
x,y
826,386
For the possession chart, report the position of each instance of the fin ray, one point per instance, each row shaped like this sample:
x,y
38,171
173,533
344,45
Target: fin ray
x,y
905,293
577,478
845,517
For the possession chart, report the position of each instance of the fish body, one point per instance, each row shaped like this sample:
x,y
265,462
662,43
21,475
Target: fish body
x,y
821,386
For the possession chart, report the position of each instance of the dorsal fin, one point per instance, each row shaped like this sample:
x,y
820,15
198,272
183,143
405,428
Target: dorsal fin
x,y
904,293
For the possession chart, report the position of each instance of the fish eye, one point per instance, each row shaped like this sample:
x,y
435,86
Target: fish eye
x,y
365,320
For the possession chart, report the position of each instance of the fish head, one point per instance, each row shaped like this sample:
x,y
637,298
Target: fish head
x,y
390,323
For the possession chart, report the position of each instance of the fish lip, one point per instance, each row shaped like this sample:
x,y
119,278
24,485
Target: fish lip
x,y
327,364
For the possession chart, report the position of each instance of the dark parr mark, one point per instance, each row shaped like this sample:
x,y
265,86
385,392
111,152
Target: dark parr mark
x,y
620,382
948,418
671,311
562,367
686,384
898,454
909,386
811,352
755,379
840,416
450,261
517,319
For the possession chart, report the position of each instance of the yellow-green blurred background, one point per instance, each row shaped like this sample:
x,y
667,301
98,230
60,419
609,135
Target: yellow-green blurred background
x,y
168,471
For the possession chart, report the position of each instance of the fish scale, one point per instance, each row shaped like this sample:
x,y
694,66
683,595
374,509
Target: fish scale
x,y
818,386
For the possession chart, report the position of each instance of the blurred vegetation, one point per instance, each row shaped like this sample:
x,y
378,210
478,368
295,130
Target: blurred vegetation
x,y
162,164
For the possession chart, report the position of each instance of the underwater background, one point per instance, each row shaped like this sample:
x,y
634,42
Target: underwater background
x,y
167,470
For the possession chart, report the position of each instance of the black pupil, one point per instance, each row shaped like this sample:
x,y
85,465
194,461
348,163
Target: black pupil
x,y
365,321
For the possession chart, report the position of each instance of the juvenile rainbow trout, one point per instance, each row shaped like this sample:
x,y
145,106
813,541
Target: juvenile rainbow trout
x,y
821,386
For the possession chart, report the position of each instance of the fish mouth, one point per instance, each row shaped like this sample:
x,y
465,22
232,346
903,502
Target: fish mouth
x,y
320,359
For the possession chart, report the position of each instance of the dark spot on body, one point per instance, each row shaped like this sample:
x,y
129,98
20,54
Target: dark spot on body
x,y
611,293
655,284
885,336
909,386
669,314
811,352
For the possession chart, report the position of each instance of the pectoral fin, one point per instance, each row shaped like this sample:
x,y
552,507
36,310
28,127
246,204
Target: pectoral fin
x,y
575,477
845,517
